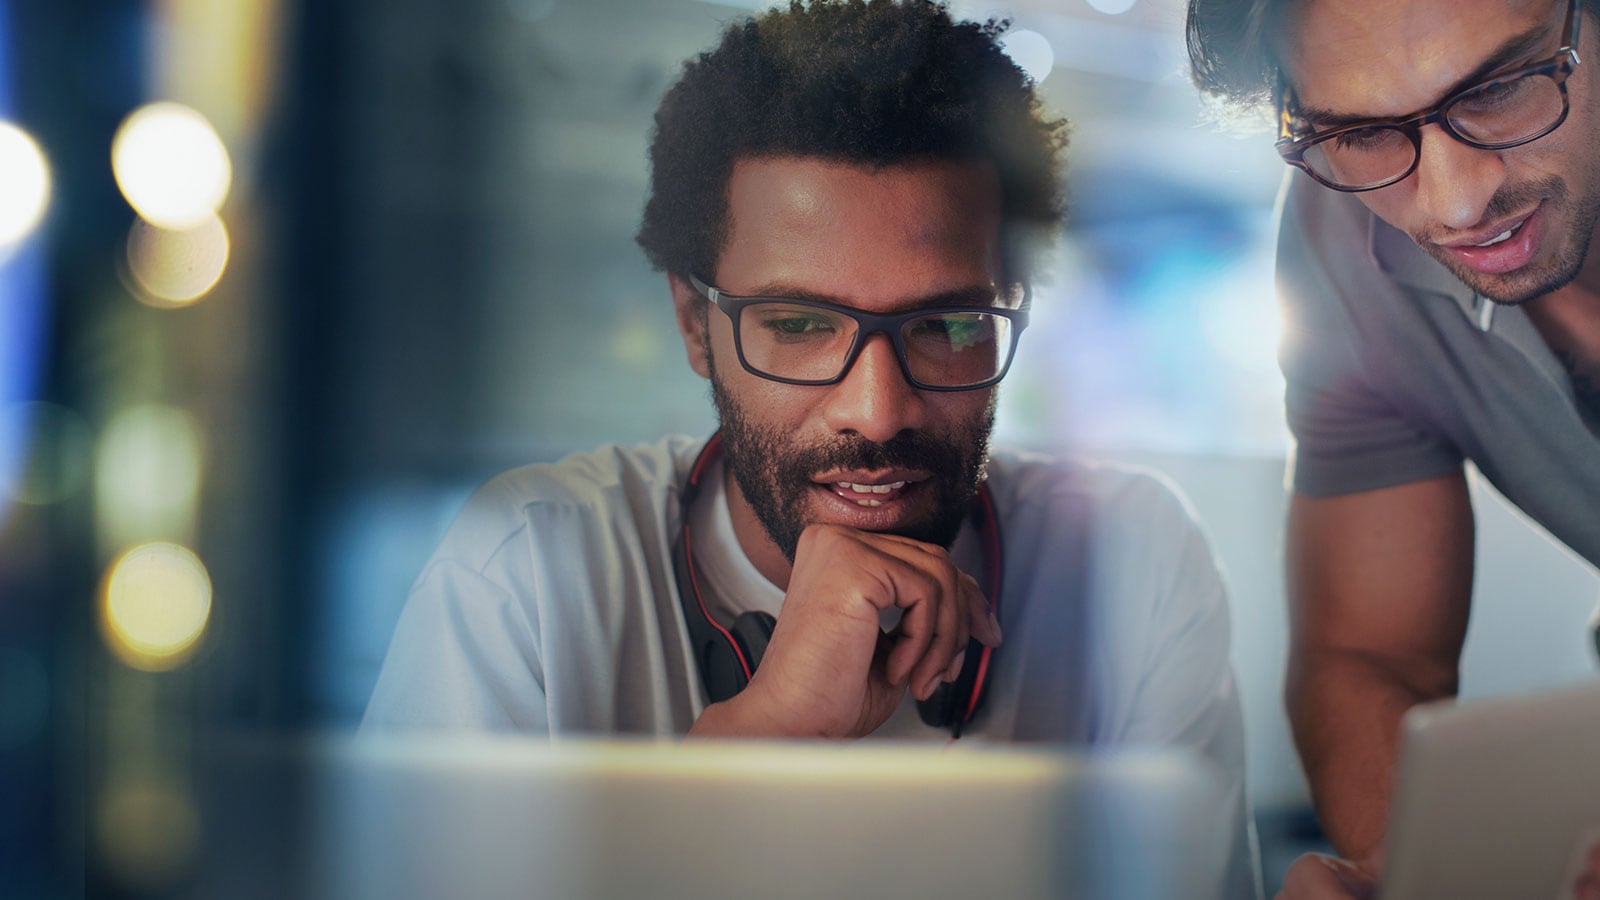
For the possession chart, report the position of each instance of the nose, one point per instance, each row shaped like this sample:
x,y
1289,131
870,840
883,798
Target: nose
x,y
874,400
1454,181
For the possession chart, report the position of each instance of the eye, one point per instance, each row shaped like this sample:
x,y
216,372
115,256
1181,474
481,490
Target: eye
x,y
1492,98
954,329
798,325
792,325
1369,140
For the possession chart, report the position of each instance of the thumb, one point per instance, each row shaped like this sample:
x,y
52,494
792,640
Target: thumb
x,y
1352,878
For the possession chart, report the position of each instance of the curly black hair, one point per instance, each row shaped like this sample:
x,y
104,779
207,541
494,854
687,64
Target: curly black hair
x,y
874,82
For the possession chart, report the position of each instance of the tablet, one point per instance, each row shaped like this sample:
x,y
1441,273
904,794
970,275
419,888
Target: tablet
x,y
1496,799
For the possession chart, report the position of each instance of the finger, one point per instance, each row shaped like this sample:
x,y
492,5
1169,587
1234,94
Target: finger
x,y
980,617
1317,876
963,636
917,592
942,648
956,665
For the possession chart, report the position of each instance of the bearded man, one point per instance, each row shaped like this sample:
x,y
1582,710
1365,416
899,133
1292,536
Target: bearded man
x,y
844,200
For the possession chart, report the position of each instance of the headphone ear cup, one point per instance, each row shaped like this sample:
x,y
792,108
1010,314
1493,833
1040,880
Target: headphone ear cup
x,y
751,631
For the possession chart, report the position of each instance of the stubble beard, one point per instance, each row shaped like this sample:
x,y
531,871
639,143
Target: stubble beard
x,y
1518,287
775,476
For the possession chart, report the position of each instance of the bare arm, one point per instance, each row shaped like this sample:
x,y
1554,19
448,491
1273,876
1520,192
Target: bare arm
x,y
1380,589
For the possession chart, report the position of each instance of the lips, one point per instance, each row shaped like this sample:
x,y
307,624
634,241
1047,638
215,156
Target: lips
x,y
871,490
1501,247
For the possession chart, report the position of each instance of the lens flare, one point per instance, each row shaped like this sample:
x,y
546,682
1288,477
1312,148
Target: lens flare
x,y
147,476
148,832
176,268
156,603
171,165
24,186
1032,53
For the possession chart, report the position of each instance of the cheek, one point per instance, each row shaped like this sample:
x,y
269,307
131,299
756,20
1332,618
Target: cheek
x,y
1395,204
960,412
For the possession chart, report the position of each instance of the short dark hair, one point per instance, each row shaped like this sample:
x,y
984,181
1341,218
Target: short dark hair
x,y
1228,54
874,82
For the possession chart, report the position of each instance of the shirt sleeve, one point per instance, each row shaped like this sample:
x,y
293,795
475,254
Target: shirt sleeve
x,y
1349,434
464,657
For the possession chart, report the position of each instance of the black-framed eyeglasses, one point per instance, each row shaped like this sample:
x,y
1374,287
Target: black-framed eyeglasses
x,y
1504,111
808,342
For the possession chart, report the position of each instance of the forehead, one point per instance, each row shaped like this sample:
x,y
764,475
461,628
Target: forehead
x,y
1393,57
870,235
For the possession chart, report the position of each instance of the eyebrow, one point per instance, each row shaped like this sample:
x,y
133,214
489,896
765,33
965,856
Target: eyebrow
x,y
972,295
1511,49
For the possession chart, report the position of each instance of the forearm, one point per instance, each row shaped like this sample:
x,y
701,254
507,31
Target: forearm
x,y
1345,708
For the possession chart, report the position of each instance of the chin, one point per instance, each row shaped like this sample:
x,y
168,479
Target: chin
x,y
1516,288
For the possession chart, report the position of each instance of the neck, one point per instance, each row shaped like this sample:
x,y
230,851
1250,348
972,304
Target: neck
x,y
762,552
1589,277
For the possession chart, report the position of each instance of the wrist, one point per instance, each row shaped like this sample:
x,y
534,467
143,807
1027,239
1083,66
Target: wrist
x,y
740,716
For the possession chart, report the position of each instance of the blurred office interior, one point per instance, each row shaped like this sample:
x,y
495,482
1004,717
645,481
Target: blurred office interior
x,y
281,282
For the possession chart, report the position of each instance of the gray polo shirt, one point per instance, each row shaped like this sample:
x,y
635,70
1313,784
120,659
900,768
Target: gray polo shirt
x,y
1397,372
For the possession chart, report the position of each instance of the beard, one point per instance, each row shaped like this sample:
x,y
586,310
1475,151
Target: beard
x,y
775,474
1522,285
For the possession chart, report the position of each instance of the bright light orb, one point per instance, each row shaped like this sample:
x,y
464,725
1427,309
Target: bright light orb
x,y
171,165
148,833
1031,51
176,268
157,601
1112,7
24,186
147,475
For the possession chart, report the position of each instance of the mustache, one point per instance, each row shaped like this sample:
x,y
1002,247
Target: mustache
x,y
1503,204
906,450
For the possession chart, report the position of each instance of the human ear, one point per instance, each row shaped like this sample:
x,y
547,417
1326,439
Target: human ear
x,y
690,310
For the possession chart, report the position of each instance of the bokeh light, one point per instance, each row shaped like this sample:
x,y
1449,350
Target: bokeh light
x,y
171,165
1112,7
147,476
24,185
44,453
148,832
176,268
637,344
156,602
1031,51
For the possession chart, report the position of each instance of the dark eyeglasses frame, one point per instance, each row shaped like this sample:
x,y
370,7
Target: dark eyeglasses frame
x,y
1557,67
868,324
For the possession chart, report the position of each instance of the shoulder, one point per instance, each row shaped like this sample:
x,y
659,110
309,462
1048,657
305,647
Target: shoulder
x,y
1106,496
607,487
1128,529
1124,534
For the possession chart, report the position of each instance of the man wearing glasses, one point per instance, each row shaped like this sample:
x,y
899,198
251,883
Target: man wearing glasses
x,y
1440,305
845,199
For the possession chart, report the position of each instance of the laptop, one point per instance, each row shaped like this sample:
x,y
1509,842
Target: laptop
x,y
491,817
1496,799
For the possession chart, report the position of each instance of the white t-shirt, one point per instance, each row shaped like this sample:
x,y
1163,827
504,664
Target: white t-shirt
x,y
551,608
